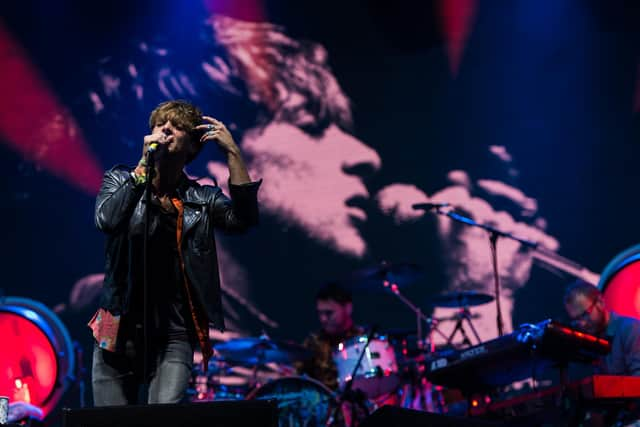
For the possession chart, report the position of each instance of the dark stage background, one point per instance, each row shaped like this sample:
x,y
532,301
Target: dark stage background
x,y
524,114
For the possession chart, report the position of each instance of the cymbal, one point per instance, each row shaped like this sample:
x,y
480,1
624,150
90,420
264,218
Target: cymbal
x,y
258,351
461,299
372,278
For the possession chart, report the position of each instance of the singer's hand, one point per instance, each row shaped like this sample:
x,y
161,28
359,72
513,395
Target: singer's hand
x,y
215,130
157,138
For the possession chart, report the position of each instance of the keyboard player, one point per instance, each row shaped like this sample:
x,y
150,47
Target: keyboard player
x,y
587,310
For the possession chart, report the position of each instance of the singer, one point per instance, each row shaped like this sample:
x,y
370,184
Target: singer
x,y
183,295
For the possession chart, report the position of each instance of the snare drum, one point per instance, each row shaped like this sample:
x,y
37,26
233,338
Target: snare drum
x,y
378,371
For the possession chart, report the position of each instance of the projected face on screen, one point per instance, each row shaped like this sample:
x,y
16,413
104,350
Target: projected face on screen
x,y
311,165
311,183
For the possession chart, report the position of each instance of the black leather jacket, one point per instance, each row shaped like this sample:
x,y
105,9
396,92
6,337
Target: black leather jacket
x,y
120,212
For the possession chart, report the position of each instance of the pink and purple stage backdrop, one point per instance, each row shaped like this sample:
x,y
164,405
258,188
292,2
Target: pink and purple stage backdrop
x,y
523,115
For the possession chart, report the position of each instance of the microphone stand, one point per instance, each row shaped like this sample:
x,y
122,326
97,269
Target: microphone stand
x,y
146,265
494,234
347,393
493,244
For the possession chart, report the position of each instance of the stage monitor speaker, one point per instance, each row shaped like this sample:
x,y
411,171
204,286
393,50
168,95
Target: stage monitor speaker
x,y
209,414
393,416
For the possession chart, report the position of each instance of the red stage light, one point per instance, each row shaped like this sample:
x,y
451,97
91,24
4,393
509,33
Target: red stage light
x,y
37,125
457,19
29,368
37,361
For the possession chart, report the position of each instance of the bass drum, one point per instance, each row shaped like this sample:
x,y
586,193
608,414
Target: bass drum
x,y
302,402
620,283
37,360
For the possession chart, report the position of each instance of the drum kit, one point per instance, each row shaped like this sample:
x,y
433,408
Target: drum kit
x,y
373,369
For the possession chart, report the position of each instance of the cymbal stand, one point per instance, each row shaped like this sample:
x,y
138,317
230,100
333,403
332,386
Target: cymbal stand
x,y
261,359
425,395
431,322
462,315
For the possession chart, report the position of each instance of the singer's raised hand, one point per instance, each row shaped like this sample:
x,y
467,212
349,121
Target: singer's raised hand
x,y
215,130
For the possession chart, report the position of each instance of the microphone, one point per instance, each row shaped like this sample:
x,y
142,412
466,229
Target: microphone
x,y
155,151
153,147
429,206
156,147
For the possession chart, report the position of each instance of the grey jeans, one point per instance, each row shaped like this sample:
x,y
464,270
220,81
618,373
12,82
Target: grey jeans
x,y
116,377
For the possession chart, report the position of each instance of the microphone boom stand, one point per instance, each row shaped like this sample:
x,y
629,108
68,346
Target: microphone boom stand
x,y
494,234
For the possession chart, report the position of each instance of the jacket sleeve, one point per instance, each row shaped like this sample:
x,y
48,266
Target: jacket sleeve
x,y
116,200
240,211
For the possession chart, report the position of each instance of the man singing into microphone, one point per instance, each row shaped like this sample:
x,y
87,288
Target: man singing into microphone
x,y
183,285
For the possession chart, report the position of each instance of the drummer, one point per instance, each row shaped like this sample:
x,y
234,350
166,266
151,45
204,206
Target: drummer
x,y
334,306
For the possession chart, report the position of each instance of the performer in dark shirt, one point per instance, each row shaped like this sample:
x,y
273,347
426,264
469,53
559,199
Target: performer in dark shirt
x,y
587,310
183,285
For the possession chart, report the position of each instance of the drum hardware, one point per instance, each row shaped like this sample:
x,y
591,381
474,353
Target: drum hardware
x,y
431,322
221,382
355,397
261,350
369,278
463,315
240,365
462,300
257,352
377,372
390,278
416,391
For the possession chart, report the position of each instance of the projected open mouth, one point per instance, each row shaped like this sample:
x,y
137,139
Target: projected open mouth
x,y
356,207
